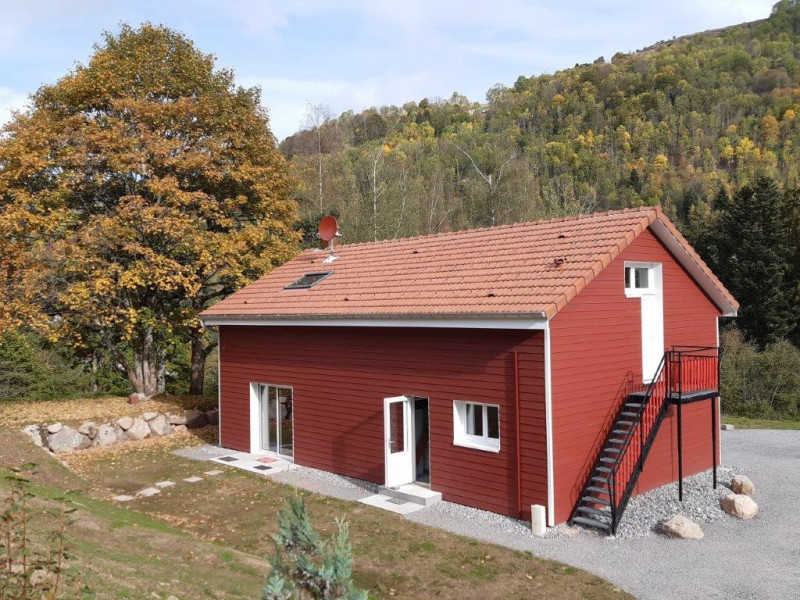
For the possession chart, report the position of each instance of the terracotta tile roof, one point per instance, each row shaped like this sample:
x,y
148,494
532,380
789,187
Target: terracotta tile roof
x,y
521,270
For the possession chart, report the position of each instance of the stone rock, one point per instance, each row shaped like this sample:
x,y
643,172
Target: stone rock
x,y
159,425
741,484
36,433
125,423
89,429
139,430
212,416
179,419
136,398
67,439
195,419
739,505
179,429
54,428
149,416
728,427
682,527
106,435
120,433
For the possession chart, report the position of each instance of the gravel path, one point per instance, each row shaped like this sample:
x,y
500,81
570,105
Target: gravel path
x,y
755,560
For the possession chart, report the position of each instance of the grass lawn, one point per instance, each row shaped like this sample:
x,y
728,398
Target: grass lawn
x,y
210,539
748,423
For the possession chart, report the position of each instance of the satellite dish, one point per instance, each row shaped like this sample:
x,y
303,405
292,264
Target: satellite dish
x,y
328,228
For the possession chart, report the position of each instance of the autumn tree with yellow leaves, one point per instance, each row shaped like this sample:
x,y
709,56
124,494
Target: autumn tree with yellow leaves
x,y
134,192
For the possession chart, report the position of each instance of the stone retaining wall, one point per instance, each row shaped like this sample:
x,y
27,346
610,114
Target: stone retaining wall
x,y
59,438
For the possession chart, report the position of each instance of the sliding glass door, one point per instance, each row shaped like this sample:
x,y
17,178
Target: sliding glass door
x,y
277,424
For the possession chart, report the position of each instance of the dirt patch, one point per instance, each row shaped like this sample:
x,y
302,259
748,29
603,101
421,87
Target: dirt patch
x,y
77,410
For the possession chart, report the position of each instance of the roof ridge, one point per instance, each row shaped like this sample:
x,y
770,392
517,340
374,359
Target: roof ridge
x,y
459,232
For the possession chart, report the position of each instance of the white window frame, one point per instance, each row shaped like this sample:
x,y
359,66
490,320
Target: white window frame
x,y
255,421
653,278
477,442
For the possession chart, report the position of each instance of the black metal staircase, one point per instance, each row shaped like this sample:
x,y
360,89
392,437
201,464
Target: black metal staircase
x,y
685,374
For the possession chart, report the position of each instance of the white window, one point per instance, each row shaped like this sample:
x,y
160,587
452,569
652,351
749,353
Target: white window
x,y
640,279
476,425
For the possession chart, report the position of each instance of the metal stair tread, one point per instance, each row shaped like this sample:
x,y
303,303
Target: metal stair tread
x,y
591,523
592,499
594,511
598,490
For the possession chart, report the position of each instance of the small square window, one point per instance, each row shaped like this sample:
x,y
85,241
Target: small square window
x,y
637,278
476,425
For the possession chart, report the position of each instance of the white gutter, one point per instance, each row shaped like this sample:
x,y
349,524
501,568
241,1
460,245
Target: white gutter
x,y
445,323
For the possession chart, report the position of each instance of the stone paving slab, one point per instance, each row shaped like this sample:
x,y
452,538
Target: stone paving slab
x,y
193,479
164,484
214,472
123,498
147,492
390,504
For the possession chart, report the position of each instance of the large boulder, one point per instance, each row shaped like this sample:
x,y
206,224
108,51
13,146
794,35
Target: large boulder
x,y
195,419
159,425
125,423
739,505
54,428
36,433
177,419
106,435
139,430
149,416
682,527
67,439
212,416
89,429
741,484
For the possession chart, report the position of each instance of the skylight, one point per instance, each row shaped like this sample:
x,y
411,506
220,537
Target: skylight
x,y
308,280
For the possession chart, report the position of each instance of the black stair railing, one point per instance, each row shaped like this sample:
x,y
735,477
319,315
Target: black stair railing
x,y
683,371
638,439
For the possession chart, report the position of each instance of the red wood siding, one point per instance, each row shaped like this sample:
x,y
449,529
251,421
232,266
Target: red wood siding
x,y
596,351
341,375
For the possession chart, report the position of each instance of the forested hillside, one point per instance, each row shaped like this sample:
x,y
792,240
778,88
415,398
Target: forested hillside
x,y
671,124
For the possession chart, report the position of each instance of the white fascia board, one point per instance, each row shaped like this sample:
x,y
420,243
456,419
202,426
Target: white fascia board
x,y
443,323
548,419
687,262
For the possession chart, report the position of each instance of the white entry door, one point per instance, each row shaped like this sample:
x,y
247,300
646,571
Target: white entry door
x,y
644,281
399,447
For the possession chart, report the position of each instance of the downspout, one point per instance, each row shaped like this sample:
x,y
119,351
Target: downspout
x,y
518,444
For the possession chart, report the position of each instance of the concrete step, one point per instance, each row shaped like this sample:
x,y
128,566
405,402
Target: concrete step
x,y
412,492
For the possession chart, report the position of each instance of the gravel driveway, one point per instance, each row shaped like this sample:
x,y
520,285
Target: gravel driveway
x,y
759,559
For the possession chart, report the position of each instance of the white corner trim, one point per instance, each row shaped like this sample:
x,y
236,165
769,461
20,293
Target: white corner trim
x,y
524,324
548,417
219,389
255,419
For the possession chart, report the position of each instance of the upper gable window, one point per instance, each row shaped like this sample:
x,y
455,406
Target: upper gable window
x,y
642,279
308,280
637,278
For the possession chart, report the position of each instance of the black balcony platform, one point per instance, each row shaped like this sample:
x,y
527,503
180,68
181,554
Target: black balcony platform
x,y
685,398
696,396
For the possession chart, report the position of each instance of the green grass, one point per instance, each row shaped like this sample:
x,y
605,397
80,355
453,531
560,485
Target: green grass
x,y
748,423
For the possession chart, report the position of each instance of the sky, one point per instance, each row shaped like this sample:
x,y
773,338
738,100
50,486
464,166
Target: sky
x,y
353,54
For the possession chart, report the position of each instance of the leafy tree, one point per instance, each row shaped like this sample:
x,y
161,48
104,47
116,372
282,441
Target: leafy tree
x,y
137,190
754,249
305,567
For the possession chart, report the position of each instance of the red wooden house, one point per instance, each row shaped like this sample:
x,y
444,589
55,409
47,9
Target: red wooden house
x,y
541,363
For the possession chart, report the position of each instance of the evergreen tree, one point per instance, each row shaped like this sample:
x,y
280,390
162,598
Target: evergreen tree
x,y
306,567
754,250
